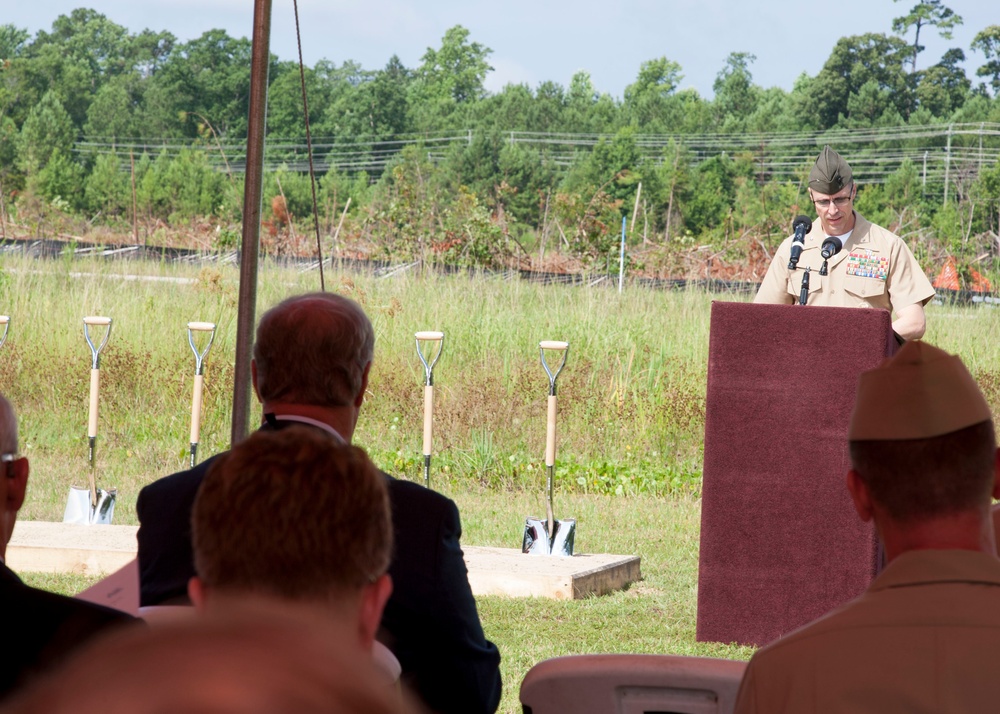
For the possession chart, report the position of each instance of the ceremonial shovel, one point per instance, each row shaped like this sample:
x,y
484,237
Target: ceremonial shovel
x,y
428,394
93,505
550,537
5,321
199,379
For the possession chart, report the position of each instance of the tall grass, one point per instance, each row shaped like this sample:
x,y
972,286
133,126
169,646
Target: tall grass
x,y
631,397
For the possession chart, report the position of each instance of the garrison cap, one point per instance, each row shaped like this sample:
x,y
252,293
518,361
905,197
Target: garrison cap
x,y
830,173
919,393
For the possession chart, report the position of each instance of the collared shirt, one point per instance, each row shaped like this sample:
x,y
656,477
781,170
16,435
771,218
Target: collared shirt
x,y
922,638
875,268
311,422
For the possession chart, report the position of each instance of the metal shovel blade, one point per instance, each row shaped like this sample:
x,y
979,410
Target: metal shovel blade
x,y
537,542
80,510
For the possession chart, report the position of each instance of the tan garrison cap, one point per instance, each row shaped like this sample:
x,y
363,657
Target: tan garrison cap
x,y
830,173
920,392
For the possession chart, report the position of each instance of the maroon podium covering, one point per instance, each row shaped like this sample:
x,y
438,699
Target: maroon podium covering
x,y
781,543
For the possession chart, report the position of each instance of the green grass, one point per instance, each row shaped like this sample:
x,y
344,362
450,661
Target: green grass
x,y
631,416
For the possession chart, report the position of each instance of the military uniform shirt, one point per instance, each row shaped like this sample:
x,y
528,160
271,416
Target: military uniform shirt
x,y
923,638
874,269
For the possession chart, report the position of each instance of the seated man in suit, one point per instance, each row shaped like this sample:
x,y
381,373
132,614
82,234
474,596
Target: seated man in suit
x,y
40,628
297,516
312,358
924,466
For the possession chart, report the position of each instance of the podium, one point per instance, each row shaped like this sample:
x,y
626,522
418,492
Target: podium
x,y
781,543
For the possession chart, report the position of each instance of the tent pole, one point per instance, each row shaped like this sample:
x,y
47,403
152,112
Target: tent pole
x,y
252,196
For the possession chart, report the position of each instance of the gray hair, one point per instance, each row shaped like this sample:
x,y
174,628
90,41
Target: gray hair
x,y
8,427
313,349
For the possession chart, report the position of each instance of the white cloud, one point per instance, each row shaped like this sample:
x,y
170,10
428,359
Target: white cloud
x,y
507,71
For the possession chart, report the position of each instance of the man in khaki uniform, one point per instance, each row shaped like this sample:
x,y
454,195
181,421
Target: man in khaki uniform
x,y
923,638
873,269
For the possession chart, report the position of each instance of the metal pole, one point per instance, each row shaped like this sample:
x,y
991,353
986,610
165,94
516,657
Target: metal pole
x,y
621,259
923,183
947,165
252,195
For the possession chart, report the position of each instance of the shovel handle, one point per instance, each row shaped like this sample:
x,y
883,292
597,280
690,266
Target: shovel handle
x,y
95,385
428,418
429,336
196,400
95,350
202,326
553,345
550,433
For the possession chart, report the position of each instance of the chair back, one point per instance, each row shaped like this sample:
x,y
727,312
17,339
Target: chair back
x,y
632,684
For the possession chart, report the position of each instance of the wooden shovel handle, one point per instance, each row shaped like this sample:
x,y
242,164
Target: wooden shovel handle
x,y
550,433
96,320
95,385
436,336
4,319
196,401
428,418
201,326
553,345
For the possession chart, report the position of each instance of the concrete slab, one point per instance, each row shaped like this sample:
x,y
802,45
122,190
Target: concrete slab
x,y
38,546
508,571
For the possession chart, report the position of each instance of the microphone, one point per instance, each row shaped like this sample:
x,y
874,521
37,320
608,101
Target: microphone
x,y
801,225
831,246
804,292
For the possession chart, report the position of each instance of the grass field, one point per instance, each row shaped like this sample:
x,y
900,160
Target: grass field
x,y
631,416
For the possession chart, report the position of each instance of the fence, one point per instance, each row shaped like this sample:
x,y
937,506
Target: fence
x,y
943,153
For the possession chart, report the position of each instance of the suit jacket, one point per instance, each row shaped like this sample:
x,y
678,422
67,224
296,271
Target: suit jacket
x,y
41,629
430,621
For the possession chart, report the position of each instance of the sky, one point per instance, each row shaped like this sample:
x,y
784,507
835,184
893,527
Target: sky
x,y
537,40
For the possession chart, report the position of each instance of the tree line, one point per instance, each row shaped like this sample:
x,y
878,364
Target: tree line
x,y
117,128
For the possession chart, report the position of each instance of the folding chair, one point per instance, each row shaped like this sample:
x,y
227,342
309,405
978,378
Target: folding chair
x,y
631,684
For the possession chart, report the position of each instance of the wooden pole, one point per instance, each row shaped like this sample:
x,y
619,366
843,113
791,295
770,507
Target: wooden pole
x,y
252,195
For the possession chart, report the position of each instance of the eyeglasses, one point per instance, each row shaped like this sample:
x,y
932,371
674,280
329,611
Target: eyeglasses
x,y
839,202
8,459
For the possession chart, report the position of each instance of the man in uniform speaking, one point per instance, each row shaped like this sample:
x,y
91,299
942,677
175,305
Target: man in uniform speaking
x,y
871,268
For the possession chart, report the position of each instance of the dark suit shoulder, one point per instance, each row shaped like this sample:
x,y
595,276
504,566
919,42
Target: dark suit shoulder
x,y
166,561
416,493
46,629
430,621
176,484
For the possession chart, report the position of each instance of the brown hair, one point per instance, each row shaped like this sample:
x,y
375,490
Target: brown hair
x,y
313,349
292,513
916,479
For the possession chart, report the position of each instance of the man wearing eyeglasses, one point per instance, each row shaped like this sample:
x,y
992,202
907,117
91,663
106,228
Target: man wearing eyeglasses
x,y
40,628
874,267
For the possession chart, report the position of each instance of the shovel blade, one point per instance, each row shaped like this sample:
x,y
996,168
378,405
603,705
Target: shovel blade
x,y
80,510
537,541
